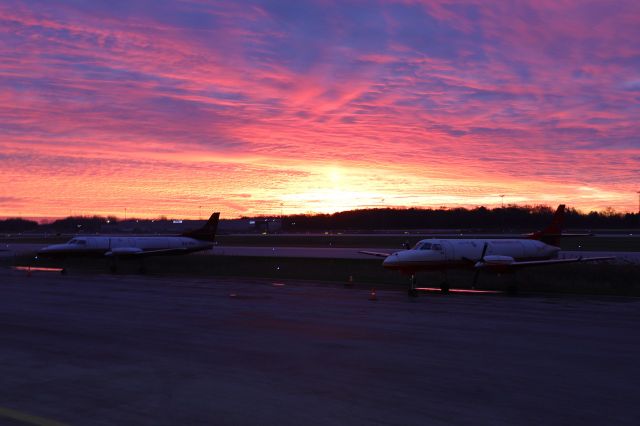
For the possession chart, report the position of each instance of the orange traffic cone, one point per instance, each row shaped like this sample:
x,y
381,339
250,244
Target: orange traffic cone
x,y
349,282
373,297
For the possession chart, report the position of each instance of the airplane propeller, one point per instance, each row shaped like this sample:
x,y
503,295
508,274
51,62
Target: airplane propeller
x,y
475,277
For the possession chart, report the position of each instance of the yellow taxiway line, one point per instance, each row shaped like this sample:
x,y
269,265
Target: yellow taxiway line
x,y
8,413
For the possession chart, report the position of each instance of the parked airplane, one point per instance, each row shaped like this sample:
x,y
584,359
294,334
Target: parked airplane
x,y
137,247
493,254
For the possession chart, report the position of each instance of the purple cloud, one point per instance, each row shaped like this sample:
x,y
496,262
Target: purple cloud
x,y
266,96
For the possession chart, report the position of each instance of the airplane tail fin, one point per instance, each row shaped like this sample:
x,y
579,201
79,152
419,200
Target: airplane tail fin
x,y
552,233
208,231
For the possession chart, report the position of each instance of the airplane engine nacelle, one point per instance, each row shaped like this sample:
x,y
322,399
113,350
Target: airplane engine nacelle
x,y
123,251
495,262
495,259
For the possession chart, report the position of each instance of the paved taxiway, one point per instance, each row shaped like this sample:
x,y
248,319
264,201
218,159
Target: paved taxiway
x,y
318,252
118,349
353,253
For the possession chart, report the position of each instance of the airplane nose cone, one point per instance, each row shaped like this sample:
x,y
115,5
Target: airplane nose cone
x,y
50,250
553,251
391,260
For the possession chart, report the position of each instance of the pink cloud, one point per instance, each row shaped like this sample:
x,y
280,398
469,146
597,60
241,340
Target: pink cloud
x,y
258,101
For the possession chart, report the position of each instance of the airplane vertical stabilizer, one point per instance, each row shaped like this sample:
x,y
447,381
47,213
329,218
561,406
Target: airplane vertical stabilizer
x,y
208,231
552,233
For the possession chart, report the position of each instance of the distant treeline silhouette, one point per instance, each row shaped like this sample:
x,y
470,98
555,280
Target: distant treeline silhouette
x,y
72,224
17,225
480,218
511,217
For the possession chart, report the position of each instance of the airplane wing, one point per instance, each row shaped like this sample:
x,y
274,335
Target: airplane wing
x,y
137,252
557,261
508,263
178,250
563,234
375,253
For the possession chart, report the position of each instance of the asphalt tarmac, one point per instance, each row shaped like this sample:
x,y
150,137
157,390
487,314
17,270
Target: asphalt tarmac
x,y
147,350
318,252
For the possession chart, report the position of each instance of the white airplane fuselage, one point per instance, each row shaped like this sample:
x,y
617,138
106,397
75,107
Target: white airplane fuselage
x,y
123,246
436,254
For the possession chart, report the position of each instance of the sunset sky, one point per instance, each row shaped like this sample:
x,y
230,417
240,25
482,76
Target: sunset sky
x,y
179,108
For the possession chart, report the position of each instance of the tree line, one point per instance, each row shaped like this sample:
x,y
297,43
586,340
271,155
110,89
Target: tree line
x,y
72,224
479,218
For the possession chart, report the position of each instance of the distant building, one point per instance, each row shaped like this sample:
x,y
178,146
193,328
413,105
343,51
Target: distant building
x,y
250,225
226,226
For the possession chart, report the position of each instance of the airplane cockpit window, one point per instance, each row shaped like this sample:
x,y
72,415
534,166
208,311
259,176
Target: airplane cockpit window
x,y
436,247
76,241
422,246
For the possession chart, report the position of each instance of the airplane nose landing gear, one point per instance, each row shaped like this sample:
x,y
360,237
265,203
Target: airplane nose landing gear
x,y
142,268
412,292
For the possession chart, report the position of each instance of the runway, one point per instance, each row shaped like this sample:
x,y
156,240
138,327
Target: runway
x,y
104,350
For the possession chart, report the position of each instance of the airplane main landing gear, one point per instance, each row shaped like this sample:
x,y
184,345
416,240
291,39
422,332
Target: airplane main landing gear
x,y
444,287
512,286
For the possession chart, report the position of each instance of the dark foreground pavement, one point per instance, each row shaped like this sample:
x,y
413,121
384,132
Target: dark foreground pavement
x,y
119,350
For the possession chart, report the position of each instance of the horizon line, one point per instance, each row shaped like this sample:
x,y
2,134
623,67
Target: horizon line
x,y
43,220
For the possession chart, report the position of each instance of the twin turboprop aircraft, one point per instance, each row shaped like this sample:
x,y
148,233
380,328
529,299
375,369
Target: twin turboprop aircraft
x,y
492,254
137,247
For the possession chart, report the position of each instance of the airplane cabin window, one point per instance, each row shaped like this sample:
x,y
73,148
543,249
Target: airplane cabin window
x,y
426,246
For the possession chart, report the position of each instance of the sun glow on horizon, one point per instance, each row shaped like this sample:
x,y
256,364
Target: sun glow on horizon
x,y
312,189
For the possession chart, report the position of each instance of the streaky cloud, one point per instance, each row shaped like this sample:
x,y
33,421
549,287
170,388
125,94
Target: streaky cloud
x,y
429,101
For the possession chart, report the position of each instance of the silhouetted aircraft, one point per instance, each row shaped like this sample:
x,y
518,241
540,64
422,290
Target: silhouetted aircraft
x,y
498,255
135,246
